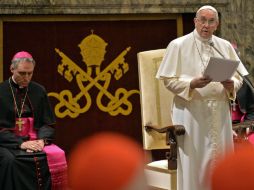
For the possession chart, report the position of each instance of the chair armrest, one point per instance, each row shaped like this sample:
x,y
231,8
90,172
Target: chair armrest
x,y
171,133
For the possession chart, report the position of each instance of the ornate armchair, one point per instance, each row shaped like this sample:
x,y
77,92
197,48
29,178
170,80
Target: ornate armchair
x,y
158,131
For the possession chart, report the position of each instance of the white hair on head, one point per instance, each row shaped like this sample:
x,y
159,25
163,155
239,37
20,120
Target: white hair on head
x,y
16,61
205,7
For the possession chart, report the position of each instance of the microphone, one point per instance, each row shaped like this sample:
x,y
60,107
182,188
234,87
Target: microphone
x,y
212,45
243,77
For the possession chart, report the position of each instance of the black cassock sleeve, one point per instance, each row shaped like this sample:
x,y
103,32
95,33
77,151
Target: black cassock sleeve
x,y
9,140
47,122
46,133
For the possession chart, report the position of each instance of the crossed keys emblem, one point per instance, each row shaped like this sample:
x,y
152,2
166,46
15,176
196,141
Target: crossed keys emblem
x,y
74,105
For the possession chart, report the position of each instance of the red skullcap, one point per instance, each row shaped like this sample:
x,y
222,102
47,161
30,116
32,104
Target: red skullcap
x,y
235,171
105,161
22,54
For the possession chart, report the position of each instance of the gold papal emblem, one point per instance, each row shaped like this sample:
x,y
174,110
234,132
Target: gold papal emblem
x,y
93,50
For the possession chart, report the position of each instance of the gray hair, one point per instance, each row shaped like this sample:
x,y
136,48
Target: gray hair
x,y
205,7
16,61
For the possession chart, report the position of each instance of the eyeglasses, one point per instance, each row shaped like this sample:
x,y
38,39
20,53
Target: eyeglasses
x,y
204,21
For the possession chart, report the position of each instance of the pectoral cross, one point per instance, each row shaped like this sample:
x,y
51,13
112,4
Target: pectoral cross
x,y
233,104
20,123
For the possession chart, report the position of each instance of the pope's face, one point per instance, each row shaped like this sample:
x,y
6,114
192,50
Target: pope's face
x,y
206,23
23,73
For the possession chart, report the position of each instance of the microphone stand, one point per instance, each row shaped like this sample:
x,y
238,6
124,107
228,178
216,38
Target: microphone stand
x,y
243,77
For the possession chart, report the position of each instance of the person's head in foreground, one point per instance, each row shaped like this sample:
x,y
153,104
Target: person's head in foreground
x,y
235,171
107,161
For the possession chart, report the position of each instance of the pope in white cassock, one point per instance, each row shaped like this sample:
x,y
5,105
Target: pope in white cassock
x,y
200,105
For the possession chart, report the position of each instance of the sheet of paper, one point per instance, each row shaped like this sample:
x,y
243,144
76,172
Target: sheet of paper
x,y
220,69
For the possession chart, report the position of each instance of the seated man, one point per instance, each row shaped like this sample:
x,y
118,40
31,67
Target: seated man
x,y
245,99
26,128
243,111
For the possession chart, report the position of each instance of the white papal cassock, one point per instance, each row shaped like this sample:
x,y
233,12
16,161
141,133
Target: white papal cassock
x,y
204,112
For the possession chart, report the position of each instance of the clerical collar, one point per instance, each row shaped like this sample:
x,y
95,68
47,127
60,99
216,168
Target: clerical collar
x,y
197,36
15,84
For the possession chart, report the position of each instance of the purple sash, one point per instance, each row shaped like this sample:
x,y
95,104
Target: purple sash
x,y
55,156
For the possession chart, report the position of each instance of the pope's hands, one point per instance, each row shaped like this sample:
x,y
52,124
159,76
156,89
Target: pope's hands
x,y
33,145
200,82
228,84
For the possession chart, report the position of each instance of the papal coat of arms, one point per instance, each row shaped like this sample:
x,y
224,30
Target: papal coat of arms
x,y
93,50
